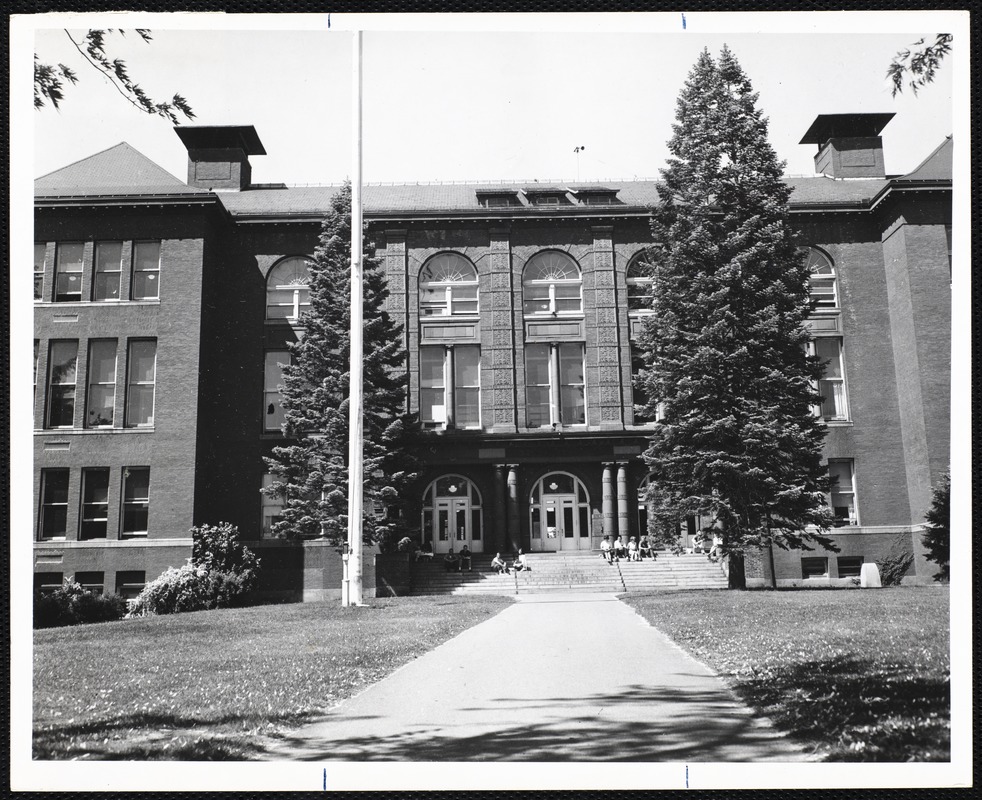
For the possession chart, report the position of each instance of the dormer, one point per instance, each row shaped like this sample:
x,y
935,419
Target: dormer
x,y
218,155
594,195
498,197
540,195
849,145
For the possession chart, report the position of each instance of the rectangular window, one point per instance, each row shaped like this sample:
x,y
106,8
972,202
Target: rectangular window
x,y
146,271
34,413
136,501
142,372
102,384
538,401
92,582
95,504
467,386
843,496
47,582
40,250
832,386
54,503
571,384
272,508
274,417
62,360
108,267
68,272
814,567
129,583
432,387
849,566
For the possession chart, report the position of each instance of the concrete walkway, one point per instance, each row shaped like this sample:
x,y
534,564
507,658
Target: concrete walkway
x,y
556,677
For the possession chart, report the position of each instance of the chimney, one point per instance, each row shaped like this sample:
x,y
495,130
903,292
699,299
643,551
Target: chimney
x,y
218,155
849,145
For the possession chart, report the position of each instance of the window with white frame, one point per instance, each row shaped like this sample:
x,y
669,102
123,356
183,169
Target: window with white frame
x,y
823,286
273,418
640,280
92,582
101,399
450,386
552,284
95,504
40,254
288,289
108,268
136,502
145,281
842,498
832,385
272,507
68,272
62,363
448,286
814,567
140,382
129,583
54,504
554,384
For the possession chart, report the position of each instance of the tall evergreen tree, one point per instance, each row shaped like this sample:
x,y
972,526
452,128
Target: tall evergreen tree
x,y
937,540
727,368
311,474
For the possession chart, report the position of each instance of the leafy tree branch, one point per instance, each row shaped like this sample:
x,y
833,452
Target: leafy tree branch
x,y
918,66
50,80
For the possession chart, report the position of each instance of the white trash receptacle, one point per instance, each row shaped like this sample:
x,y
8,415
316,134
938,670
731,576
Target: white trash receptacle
x,y
869,576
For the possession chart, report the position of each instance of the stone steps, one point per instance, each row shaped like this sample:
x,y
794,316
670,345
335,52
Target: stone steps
x,y
582,571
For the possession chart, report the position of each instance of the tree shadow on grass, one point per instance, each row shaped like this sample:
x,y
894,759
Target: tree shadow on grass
x,y
633,724
858,709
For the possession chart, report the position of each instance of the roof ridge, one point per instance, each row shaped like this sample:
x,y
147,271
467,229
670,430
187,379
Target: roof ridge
x,y
92,155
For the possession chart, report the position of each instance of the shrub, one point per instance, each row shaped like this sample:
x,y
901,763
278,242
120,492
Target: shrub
x,y
937,540
220,573
73,605
896,563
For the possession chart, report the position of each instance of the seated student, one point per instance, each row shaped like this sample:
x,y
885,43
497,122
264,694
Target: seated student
x,y
620,550
644,547
520,563
498,565
605,550
632,550
450,561
426,551
465,556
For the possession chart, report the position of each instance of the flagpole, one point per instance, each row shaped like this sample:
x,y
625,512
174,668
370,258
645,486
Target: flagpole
x,y
353,594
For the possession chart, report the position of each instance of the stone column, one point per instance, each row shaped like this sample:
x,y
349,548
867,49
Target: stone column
x,y
623,508
608,502
514,531
498,512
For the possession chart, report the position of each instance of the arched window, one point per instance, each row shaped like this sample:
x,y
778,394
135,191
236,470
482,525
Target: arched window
x,y
447,286
559,514
640,278
552,284
288,289
452,515
823,288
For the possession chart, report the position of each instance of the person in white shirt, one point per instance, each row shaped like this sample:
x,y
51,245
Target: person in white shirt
x,y
605,549
520,563
498,564
632,550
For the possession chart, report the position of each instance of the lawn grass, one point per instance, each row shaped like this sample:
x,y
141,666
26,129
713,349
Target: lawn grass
x,y
856,675
214,684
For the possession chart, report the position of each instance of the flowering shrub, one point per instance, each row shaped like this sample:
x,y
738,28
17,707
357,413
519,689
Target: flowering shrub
x,y
220,573
73,605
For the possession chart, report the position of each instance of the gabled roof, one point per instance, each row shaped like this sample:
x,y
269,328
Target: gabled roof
x,y
936,166
119,170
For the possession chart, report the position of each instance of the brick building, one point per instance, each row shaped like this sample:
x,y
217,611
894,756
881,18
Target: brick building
x,y
164,309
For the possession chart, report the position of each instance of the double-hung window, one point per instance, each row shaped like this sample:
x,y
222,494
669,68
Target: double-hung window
x,y
272,507
136,501
554,384
68,272
450,386
54,503
823,285
639,283
40,254
843,495
832,385
108,268
141,378
145,283
95,504
272,400
101,399
62,359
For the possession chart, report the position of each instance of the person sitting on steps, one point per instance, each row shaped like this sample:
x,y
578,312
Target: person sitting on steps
x,y
498,565
450,561
425,552
465,556
644,547
520,563
620,551
605,550
632,550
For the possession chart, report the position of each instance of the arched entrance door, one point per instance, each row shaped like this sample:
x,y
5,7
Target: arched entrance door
x,y
559,514
452,515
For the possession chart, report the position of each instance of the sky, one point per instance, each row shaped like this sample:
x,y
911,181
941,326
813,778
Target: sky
x,y
475,105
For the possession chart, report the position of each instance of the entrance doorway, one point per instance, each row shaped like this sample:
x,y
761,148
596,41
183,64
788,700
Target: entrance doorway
x,y
452,515
559,514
